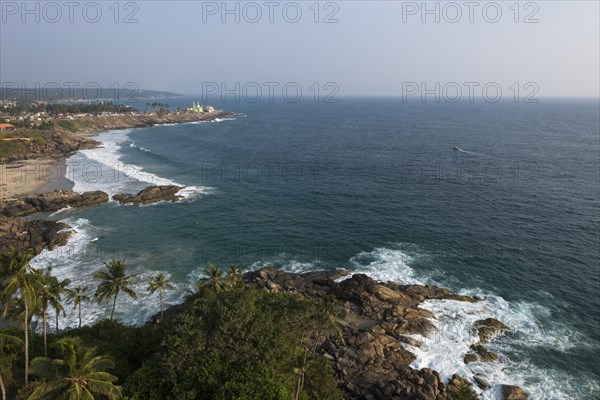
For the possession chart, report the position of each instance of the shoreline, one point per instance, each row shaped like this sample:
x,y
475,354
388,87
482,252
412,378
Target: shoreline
x,y
35,176
45,172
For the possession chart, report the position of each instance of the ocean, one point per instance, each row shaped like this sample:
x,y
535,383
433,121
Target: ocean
x,y
373,185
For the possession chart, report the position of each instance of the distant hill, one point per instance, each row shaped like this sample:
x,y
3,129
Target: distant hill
x,y
65,94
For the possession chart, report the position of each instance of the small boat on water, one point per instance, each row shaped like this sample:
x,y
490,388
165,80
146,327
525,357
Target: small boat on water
x,y
456,148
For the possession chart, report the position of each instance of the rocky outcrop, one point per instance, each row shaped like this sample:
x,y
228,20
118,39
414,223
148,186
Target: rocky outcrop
x,y
150,194
19,233
489,328
64,136
513,393
51,201
372,358
50,144
481,353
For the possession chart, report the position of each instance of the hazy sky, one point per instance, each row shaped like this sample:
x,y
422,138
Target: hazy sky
x,y
374,48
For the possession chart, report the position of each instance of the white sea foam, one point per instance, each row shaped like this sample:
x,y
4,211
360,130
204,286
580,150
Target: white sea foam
x,y
444,350
224,119
79,260
102,169
135,146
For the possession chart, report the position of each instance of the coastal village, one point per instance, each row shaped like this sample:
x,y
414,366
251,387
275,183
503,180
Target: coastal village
x,y
38,136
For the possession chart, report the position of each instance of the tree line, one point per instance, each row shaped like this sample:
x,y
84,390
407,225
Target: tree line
x,y
26,292
78,371
66,108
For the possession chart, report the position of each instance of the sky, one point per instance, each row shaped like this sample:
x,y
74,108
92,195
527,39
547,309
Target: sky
x,y
352,48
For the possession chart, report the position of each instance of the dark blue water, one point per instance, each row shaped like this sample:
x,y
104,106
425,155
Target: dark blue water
x,y
373,185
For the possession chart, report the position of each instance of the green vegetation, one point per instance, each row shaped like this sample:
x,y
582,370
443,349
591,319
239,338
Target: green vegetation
x,y
227,341
462,391
68,125
160,283
67,108
162,107
7,359
19,277
112,282
78,297
78,374
10,147
238,343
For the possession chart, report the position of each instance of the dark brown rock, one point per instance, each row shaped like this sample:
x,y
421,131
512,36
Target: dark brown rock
x,y
490,328
51,201
513,393
481,382
484,354
19,233
151,194
371,362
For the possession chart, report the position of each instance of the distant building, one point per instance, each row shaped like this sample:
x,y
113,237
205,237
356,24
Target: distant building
x,y
210,109
4,127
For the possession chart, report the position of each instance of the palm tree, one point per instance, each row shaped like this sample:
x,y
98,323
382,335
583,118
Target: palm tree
x,y
301,362
49,294
6,358
332,314
78,296
44,295
234,276
161,283
20,277
215,277
112,282
79,375
56,290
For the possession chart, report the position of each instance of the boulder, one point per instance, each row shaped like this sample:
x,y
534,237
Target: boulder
x,y
484,354
51,201
92,198
481,382
20,233
151,194
489,328
510,392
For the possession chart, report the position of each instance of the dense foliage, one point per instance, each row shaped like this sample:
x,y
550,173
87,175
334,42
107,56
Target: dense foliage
x,y
67,108
227,341
237,344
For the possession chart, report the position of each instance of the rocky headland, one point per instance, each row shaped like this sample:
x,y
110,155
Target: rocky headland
x,y
19,232
64,137
382,322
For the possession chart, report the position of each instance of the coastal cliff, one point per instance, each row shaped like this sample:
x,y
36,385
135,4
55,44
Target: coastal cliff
x,y
19,233
62,137
371,360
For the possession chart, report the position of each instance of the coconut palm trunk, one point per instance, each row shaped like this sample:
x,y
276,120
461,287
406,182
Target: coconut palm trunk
x,y
79,315
114,305
162,317
2,388
45,319
57,322
26,342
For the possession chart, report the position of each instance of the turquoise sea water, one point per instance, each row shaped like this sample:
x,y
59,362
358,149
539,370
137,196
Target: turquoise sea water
x,y
373,185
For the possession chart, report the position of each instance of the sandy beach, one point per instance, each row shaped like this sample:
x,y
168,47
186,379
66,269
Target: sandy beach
x,y
32,176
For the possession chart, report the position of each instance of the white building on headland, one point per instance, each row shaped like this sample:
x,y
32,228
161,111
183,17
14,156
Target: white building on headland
x,y
197,107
